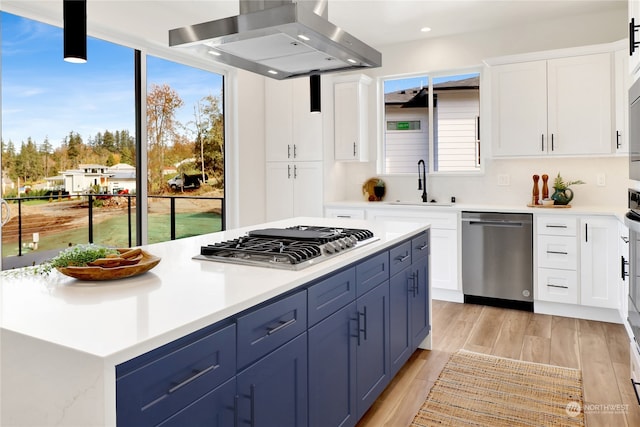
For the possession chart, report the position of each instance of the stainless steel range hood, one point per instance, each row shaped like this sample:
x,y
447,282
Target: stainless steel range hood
x,y
278,39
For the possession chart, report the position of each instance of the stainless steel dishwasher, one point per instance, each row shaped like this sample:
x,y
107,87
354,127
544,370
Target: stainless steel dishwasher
x,y
497,259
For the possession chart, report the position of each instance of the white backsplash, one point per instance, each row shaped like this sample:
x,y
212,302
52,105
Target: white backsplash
x,y
484,188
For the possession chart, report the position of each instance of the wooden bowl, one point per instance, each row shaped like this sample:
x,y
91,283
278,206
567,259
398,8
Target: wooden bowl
x,y
146,263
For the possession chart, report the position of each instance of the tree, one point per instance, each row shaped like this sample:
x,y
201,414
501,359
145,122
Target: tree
x,y
209,138
162,103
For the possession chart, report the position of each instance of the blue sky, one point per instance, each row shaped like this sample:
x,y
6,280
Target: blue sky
x,y
44,96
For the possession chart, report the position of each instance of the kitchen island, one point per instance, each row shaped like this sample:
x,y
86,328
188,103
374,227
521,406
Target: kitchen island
x,y
65,344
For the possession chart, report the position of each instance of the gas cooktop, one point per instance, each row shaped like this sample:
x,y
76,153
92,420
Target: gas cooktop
x,y
290,248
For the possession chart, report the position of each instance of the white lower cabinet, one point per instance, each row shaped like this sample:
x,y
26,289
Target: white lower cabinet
x,y
558,285
599,266
293,189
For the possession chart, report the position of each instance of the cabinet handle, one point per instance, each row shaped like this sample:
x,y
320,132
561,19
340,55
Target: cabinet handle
x,y
558,252
295,151
362,329
196,374
556,226
402,258
634,384
623,269
552,145
288,151
625,239
633,44
295,171
557,286
288,171
281,326
618,144
416,284
586,232
423,247
343,216
236,406
413,287
542,143
354,149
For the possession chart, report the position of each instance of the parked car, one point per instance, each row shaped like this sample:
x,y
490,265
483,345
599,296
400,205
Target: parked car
x,y
183,180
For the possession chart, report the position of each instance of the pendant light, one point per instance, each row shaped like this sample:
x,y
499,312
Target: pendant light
x,y
314,86
75,30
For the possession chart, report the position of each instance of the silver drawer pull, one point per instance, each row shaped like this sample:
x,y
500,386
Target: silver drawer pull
x,y
558,252
281,326
195,376
557,286
423,247
402,258
556,226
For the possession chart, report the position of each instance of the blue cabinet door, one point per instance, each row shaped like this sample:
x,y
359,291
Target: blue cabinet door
x,y
400,317
273,391
332,370
214,409
372,366
420,325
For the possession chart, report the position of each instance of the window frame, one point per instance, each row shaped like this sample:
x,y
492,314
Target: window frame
x,y
382,122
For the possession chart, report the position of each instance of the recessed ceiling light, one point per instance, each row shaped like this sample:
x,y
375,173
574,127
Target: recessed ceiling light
x,y
353,61
303,37
425,29
272,72
214,53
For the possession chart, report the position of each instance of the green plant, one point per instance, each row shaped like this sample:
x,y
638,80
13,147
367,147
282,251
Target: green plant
x,y
560,184
379,183
75,256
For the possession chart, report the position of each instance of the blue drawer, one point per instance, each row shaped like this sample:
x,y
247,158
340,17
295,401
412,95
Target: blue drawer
x,y
400,257
169,382
371,272
267,328
330,295
420,246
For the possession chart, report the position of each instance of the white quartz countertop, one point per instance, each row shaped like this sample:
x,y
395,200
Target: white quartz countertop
x,y
124,318
617,210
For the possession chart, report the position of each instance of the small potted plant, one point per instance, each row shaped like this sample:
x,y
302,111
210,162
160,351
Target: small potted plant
x,y
563,194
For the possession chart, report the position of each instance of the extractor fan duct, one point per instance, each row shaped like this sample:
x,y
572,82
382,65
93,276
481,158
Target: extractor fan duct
x,y
279,39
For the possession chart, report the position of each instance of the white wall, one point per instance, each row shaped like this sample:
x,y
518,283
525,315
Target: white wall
x,y
470,50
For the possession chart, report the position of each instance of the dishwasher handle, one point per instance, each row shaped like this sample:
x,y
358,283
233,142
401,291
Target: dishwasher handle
x,y
494,223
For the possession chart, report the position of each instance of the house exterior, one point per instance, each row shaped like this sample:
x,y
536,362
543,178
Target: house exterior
x,y
110,179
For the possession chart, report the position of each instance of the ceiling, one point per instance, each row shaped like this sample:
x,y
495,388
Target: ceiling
x,y
375,22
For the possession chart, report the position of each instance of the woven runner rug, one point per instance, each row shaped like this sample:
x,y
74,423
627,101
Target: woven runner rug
x,y
477,389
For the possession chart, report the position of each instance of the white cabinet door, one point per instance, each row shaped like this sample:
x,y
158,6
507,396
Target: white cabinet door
x,y
307,126
350,119
279,190
278,119
444,259
292,132
519,108
580,105
599,263
307,189
621,95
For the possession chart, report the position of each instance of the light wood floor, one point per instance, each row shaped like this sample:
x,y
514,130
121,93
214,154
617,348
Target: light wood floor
x,y
600,350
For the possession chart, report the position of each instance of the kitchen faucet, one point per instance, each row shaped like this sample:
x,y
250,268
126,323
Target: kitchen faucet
x,y
422,182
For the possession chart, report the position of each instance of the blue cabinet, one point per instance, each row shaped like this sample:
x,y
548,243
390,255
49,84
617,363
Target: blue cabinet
x,y
409,301
332,370
273,391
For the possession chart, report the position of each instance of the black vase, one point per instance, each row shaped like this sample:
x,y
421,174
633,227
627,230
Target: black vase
x,y
379,192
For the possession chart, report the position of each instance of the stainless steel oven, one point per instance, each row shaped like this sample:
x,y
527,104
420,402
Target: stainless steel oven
x,y
632,221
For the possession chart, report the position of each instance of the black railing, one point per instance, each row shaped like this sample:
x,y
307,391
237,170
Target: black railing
x,y
92,198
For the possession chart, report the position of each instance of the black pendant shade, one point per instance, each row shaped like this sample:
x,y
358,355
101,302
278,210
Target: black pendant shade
x,y
75,30
314,86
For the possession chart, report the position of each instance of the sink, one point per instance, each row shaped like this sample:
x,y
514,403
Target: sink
x,y
419,203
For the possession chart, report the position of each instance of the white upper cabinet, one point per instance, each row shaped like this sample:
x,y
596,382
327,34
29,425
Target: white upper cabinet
x,y
561,106
293,133
351,118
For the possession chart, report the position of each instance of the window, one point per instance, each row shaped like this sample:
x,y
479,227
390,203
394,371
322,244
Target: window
x,y
433,118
